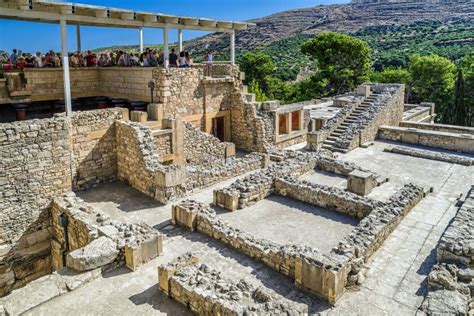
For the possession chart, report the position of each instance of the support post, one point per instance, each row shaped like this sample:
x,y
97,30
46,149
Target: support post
x,y
232,47
140,39
166,52
65,60
180,40
78,34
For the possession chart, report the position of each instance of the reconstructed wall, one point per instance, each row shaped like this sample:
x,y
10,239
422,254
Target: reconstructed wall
x,y
445,140
94,146
34,167
202,148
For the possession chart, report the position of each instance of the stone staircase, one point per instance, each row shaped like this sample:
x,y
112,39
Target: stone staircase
x,y
330,141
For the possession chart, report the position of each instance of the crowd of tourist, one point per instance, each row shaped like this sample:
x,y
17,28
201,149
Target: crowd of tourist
x,y
149,58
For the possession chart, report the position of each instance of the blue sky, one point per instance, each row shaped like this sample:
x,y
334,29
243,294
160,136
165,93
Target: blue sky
x,y
29,36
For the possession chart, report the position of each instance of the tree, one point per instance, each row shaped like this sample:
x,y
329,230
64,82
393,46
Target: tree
x,y
467,65
257,66
342,59
458,114
433,81
393,75
254,87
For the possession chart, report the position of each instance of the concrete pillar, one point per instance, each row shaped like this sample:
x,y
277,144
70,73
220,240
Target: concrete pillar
x,y
180,40
65,60
232,48
166,52
78,35
140,39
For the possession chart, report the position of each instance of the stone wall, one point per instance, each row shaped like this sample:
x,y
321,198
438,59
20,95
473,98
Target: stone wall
x,y
203,149
326,197
184,280
429,154
94,146
139,164
439,127
450,281
423,137
34,167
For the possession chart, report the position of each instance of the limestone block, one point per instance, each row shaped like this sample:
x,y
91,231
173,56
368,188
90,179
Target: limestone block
x,y
229,150
315,138
135,255
170,178
229,201
265,160
363,90
139,116
270,105
155,112
319,123
109,231
340,102
361,182
165,272
185,216
98,253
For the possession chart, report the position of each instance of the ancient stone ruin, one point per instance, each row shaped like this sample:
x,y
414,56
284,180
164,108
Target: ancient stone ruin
x,y
210,202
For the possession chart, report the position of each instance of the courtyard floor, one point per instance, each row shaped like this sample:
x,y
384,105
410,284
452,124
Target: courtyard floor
x,y
396,280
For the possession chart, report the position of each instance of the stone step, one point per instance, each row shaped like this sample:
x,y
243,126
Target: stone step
x,y
325,146
332,138
340,150
329,142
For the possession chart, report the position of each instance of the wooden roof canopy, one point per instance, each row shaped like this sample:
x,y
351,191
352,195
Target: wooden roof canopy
x,y
51,11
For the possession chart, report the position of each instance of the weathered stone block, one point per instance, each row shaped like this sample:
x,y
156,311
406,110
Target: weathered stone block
x,y
265,160
165,272
270,105
229,201
185,216
98,253
363,90
170,178
361,182
229,150
139,116
145,251
155,112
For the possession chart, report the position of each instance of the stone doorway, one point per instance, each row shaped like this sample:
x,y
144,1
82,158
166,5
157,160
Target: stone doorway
x,y
218,128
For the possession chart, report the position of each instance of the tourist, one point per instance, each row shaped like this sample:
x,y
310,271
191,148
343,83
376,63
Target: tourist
x,y
57,59
49,60
134,60
20,63
14,56
29,61
153,59
173,59
188,59
89,59
38,60
74,60
183,63
209,60
124,59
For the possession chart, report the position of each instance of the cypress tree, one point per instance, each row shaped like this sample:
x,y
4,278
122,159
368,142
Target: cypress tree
x,y
460,110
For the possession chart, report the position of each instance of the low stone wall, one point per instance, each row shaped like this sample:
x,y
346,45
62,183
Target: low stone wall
x,y
450,281
439,127
205,291
305,265
427,154
94,146
445,140
326,197
374,229
82,236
